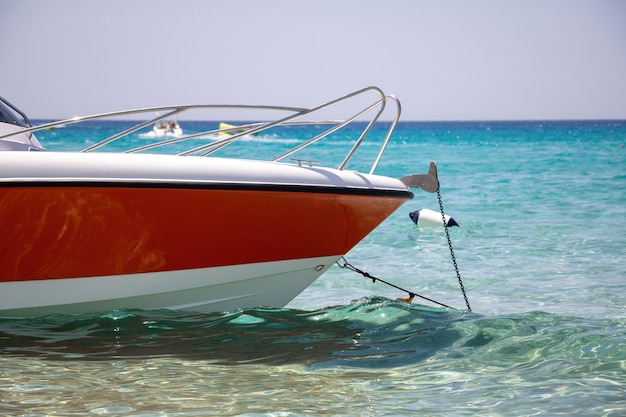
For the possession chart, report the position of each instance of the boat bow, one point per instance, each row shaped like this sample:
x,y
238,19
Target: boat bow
x,y
177,223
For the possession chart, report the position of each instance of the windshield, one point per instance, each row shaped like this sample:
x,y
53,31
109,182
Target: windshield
x,y
12,115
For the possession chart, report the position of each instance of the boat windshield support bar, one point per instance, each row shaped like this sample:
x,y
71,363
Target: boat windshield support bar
x,y
214,147
129,131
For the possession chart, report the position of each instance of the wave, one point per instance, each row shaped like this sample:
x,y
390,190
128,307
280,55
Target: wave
x,y
154,135
371,333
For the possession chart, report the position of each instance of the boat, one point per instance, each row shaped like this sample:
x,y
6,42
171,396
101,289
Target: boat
x,y
171,128
95,230
226,129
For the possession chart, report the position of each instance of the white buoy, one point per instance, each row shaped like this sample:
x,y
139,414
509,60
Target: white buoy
x,y
425,217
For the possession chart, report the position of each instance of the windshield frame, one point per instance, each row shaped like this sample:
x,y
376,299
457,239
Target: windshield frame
x,y
12,115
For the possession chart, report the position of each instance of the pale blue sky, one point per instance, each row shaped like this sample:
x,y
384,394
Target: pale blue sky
x,y
445,60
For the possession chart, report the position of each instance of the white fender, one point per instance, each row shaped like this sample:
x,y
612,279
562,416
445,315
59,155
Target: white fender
x,y
425,217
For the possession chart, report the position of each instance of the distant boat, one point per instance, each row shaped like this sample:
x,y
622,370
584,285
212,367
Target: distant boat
x,y
97,231
170,128
228,129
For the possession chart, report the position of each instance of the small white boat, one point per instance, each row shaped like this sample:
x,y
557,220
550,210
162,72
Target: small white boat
x,y
171,128
96,231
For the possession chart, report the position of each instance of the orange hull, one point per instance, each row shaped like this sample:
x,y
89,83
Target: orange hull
x,y
74,231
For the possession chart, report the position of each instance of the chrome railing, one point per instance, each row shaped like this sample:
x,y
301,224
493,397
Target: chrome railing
x,y
370,112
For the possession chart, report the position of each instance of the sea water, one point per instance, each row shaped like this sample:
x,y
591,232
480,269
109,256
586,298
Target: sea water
x,y
540,252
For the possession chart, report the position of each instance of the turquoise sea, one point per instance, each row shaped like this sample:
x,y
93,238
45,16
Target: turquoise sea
x,y
541,249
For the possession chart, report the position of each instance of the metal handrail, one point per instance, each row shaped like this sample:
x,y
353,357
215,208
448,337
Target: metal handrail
x,y
296,116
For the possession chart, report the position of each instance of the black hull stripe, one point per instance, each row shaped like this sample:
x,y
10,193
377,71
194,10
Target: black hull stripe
x,y
189,185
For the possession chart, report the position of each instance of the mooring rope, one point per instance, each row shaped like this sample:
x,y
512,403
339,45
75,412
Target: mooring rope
x,y
412,295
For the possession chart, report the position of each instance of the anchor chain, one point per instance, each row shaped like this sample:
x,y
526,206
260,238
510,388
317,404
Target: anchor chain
x,y
456,267
346,265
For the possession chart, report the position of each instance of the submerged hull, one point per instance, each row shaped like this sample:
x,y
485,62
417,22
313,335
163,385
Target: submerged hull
x,y
94,232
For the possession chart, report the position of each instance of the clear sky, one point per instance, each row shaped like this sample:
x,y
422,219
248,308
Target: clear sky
x,y
445,60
